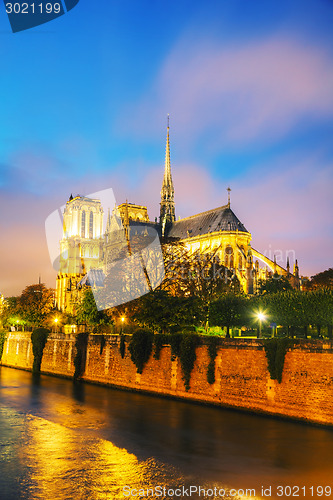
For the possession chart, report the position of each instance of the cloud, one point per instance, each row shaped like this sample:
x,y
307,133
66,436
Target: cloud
x,y
241,93
286,205
289,207
24,256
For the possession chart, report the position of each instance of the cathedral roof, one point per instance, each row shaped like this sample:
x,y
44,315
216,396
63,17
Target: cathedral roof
x,y
94,277
218,219
135,224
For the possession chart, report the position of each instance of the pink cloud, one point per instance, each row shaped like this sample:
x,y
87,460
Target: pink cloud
x,y
241,93
289,207
286,205
25,257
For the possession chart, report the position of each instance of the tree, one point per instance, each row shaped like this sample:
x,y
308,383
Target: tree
x,y
36,303
228,311
197,274
322,309
321,280
87,312
300,309
163,312
10,312
276,283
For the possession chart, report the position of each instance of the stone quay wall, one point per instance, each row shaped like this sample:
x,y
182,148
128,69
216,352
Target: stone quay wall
x,y
242,379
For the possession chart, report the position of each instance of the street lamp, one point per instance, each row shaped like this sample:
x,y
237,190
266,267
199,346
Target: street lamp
x,y
122,324
56,324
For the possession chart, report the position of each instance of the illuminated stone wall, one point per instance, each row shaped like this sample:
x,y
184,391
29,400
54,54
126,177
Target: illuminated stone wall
x,y
242,377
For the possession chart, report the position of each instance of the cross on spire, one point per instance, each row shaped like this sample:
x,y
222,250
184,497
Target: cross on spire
x,y
229,191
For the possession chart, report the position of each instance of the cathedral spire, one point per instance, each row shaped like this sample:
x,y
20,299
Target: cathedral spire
x,y
229,191
167,205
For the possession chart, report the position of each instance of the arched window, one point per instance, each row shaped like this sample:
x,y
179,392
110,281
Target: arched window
x,y
228,256
91,225
83,224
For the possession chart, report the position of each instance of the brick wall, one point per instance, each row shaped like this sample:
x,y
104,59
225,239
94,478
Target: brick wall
x,y
241,376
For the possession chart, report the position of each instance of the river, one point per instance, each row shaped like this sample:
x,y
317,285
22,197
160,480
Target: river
x,y
61,441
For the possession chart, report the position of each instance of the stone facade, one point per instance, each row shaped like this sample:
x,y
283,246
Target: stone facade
x,y
218,232
242,379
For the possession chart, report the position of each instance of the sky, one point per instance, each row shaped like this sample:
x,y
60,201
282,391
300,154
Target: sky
x,y
249,88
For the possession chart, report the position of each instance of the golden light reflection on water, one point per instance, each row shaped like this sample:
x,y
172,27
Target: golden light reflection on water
x,y
59,441
66,464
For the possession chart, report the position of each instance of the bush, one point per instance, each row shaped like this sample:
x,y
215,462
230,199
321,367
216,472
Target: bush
x,y
38,338
2,342
81,344
140,348
212,351
187,356
276,350
159,340
102,344
175,340
122,346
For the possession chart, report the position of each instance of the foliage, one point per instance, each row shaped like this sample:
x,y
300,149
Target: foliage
x,y
274,284
159,340
128,278
10,311
321,280
38,338
140,348
212,351
161,312
87,312
2,342
276,350
228,311
296,308
175,341
35,304
102,344
197,275
122,346
187,356
81,344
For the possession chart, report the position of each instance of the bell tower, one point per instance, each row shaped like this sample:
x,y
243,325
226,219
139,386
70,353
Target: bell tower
x,y
167,205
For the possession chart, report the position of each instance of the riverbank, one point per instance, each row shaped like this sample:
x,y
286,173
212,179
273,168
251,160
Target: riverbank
x,y
242,379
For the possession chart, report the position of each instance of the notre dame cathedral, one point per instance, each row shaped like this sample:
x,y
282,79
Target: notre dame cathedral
x,y
86,249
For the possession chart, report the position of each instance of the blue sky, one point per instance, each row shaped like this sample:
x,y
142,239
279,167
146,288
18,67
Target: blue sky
x,y
249,88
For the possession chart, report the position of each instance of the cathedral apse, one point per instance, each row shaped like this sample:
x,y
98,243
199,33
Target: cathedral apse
x,y
89,251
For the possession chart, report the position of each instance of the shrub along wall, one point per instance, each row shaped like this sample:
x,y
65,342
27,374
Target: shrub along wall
x,y
38,338
2,342
226,372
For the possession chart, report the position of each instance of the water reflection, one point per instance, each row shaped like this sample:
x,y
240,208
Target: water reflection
x,y
68,464
78,391
61,441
